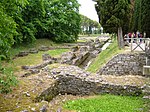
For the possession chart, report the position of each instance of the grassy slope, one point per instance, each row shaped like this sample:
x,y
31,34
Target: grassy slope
x,y
106,103
104,56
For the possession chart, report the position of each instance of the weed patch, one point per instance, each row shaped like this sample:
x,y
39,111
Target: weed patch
x,y
107,103
7,79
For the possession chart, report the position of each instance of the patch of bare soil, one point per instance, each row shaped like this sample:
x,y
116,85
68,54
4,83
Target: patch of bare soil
x,y
125,80
23,96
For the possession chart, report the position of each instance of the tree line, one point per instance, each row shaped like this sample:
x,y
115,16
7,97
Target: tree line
x,y
141,16
122,16
89,26
23,21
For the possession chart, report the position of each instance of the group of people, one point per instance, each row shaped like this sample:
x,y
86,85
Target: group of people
x,y
134,35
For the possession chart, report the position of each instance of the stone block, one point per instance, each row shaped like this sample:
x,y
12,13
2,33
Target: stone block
x,y
33,51
23,53
146,70
44,48
74,49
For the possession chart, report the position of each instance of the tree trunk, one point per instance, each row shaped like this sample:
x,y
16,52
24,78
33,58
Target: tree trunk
x,y
120,38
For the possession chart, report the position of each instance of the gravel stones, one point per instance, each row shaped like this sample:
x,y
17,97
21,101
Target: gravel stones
x,y
43,108
24,111
67,57
46,57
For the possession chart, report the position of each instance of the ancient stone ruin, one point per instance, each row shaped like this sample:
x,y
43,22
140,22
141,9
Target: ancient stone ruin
x,y
69,78
73,80
81,55
78,56
124,64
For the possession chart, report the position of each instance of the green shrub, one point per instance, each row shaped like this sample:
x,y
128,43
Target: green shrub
x,y
7,79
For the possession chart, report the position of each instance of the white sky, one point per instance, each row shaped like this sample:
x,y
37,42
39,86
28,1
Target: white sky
x,y
87,8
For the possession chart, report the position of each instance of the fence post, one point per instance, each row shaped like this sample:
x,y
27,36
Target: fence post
x,y
131,43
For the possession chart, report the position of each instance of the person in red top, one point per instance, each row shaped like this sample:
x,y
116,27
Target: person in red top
x,y
129,35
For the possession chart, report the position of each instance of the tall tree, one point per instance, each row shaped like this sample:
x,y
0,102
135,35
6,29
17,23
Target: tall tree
x,y
58,20
114,15
136,25
9,9
145,17
141,18
65,18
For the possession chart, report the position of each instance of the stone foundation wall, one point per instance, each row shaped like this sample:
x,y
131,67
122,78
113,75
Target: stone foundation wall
x,y
49,93
124,64
76,86
73,80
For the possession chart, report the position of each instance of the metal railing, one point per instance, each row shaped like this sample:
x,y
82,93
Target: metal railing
x,y
138,43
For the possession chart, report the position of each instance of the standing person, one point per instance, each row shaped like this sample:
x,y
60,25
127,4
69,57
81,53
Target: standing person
x,y
129,35
141,36
132,36
144,35
126,40
138,34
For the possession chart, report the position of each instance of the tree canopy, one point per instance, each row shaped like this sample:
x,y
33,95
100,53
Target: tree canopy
x,y
141,18
9,9
145,17
114,14
22,21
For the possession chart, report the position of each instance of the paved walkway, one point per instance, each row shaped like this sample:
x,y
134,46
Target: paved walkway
x,y
106,45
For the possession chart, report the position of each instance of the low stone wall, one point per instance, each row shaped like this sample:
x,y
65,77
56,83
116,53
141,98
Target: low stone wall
x,y
49,93
124,64
73,80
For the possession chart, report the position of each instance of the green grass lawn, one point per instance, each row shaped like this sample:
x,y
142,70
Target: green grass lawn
x,y
104,57
107,103
33,59
24,47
